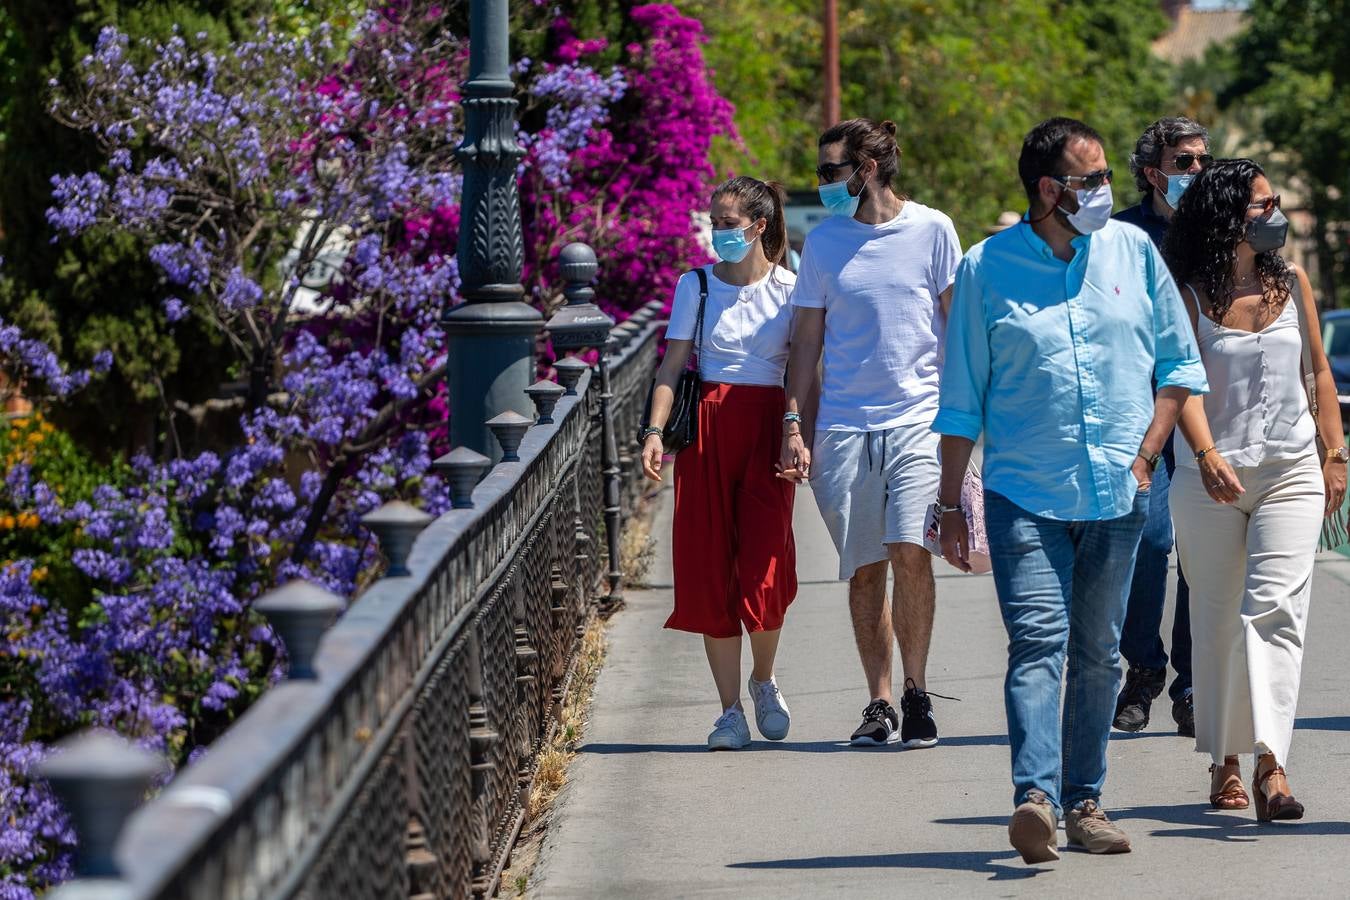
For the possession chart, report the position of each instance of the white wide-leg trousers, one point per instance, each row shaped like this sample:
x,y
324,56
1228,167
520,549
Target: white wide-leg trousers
x,y
1250,568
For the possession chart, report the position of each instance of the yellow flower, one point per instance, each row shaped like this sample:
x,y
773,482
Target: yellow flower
x,y
29,520
39,574
6,522
35,437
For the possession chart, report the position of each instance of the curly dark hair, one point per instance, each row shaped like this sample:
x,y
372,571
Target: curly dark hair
x,y
1202,239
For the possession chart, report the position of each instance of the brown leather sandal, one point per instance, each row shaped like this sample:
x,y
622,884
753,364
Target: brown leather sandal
x,y
1225,788
1278,807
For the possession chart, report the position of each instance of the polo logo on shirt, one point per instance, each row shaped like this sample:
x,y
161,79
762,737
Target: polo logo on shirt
x,y
1117,290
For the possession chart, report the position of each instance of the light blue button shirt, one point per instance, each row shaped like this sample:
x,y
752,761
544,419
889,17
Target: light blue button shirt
x,y
1055,363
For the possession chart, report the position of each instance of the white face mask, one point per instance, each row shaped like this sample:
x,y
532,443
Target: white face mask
x,y
1094,209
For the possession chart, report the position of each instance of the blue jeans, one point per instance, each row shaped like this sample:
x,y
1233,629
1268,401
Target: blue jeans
x,y
1061,589
1141,639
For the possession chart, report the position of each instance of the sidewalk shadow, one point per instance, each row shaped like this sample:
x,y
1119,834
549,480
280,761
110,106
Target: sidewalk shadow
x,y
954,860
1140,735
974,740
1215,825
1322,723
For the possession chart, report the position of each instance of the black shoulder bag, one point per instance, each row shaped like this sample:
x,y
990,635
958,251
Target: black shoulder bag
x,y
681,429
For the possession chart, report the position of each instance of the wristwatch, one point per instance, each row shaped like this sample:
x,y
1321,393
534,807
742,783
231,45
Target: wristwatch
x,y
1338,454
1151,460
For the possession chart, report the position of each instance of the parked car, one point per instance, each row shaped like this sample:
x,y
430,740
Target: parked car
x,y
1336,339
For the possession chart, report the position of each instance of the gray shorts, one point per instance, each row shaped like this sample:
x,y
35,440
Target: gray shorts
x,y
874,488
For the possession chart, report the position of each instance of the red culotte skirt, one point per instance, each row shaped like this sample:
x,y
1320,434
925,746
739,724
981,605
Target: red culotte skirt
x,y
735,562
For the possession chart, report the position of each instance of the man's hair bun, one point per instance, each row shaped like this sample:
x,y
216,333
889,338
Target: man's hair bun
x,y
889,126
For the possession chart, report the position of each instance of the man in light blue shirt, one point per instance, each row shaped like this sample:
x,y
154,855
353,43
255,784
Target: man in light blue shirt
x,y
1059,326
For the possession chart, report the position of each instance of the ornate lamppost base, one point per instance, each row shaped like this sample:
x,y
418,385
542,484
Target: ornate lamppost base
x,y
479,338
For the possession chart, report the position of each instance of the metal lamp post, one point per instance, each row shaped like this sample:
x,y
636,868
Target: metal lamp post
x,y
490,338
578,326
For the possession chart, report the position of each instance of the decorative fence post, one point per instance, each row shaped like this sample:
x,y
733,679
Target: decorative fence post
x,y
100,779
613,475
490,337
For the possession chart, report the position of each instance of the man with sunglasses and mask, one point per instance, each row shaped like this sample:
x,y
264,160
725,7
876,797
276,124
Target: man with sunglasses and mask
x,y
871,291
1059,328
1166,159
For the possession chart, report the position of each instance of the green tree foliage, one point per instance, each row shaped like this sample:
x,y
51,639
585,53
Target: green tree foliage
x,y
963,79
1291,69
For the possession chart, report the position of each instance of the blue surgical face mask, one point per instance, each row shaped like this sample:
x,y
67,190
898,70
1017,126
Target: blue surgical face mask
x,y
1176,186
836,198
730,244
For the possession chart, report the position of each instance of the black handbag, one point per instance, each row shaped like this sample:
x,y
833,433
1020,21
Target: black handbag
x,y
681,428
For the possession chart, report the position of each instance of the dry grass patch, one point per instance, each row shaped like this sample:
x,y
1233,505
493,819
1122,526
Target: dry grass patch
x,y
554,759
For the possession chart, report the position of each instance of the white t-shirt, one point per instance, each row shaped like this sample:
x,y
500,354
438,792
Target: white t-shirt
x,y
745,327
879,287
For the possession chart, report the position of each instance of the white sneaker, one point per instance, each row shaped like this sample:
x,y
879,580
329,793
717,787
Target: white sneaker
x,y
771,710
730,732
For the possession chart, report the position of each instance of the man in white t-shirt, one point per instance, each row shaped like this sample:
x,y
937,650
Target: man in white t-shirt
x,y
873,289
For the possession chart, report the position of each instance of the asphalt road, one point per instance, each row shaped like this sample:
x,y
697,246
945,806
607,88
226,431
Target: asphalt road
x,y
649,813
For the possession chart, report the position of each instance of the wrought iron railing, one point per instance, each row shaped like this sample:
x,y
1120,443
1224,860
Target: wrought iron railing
x,y
400,768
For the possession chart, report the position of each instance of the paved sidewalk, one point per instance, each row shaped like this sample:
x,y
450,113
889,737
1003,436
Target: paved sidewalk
x,y
649,813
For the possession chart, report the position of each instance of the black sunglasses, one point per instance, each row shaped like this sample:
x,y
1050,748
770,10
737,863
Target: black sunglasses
x,y
1183,161
1091,181
825,171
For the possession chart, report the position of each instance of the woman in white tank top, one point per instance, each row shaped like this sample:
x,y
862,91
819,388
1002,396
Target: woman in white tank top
x,y
1248,503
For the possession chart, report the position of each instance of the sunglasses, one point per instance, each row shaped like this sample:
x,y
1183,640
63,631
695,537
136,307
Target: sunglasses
x,y
1267,206
1091,181
825,171
1183,161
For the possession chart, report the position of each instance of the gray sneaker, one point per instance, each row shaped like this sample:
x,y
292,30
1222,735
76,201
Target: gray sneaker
x,y
1088,827
730,731
1033,828
771,710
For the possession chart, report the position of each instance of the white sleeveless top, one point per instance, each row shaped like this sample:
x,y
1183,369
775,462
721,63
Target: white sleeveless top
x,y
1256,405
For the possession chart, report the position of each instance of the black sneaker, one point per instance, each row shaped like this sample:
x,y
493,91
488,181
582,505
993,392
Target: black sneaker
x,y
918,729
880,726
1183,711
1142,686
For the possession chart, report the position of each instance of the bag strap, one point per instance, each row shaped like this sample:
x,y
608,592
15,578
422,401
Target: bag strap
x,y
1309,379
698,322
